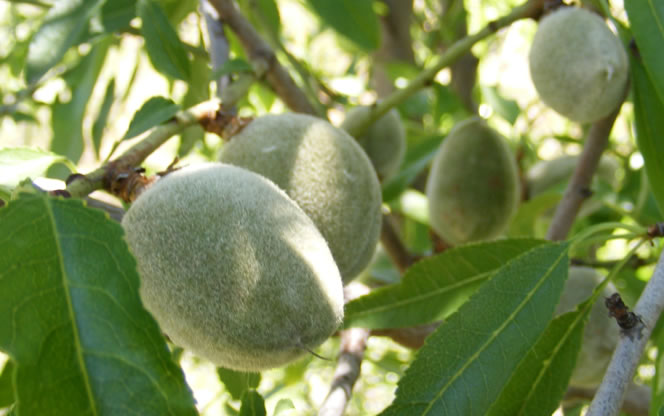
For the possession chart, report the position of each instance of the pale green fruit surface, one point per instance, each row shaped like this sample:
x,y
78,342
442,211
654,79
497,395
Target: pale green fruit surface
x,y
384,142
325,172
232,269
547,174
473,188
601,333
578,66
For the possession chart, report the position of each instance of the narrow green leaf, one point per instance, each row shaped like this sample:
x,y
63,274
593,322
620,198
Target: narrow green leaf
x,y
646,20
434,287
102,117
18,163
67,117
539,383
648,110
237,383
165,49
354,19
252,404
73,321
116,14
507,109
153,112
417,159
523,224
7,384
465,363
198,90
657,401
283,407
232,66
63,25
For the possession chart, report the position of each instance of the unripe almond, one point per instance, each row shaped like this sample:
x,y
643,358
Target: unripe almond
x,y
325,172
232,268
578,66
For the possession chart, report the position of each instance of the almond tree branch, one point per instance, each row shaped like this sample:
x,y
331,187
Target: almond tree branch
x,y
637,398
578,188
626,357
218,47
259,50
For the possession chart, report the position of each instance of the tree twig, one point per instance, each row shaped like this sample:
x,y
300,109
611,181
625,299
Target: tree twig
x,y
625,359
218,44
259,50
578,188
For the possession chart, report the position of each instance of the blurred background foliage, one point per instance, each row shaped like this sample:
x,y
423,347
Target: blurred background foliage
x,y
80,105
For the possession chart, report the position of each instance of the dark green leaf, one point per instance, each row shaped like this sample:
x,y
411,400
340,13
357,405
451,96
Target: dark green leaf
x,y
657,402
354,19
165,49
232,66
523,224
18,163
116,14
154,111
283,406
417,159
237,383
648,110
102,117
61,29
264,14
434,287
19,116
646,19
7,384
464,364
507,109
73,320
67,117
198,91
539,383
252,404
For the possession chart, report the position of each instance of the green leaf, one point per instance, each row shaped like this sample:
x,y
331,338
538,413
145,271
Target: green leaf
x,y
417,159
523,224
62,27
165,49
434,287
7,384
283,406
18,163
539,383
646,19
657,402
73,321
648,110
67,117
507,109
252,404
198,90
154,111
464,364
102,117
116,14
237,383
354,19
232,66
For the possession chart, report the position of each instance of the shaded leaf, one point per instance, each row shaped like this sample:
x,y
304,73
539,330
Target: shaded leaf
x,y
464,364
72,318
67,117
539,383
116,14
237,382
354,19
63,25
252,404
232,66
507,109
435,286
18,163
523,222
657,401
283,406
417,159
198,90
646,20
648,110
165,49
7,384
153,112
102,117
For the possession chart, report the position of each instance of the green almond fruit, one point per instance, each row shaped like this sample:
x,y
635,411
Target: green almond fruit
x,y
578,66
473,187
325,172
232,269
384,142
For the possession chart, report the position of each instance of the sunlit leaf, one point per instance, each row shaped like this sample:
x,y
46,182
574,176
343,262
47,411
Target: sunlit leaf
x,y
523,222
237,382
18,163
7,384
465,363
354,19
417,159
252,404
153,112
102,117
73,321
434,287
646,18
